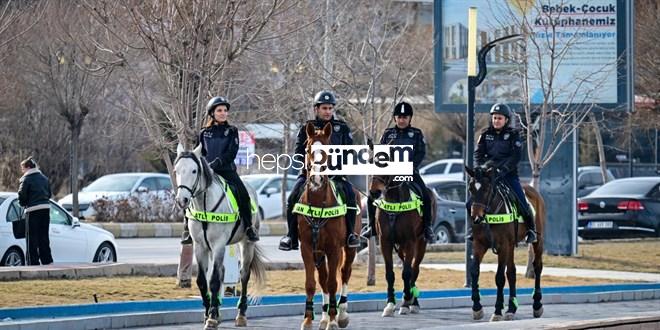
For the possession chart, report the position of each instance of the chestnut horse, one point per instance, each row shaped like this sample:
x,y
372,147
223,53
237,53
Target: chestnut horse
x,y
399,226
501,231
322,228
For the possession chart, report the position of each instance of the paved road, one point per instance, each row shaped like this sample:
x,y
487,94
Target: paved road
x,y
554,316
166,250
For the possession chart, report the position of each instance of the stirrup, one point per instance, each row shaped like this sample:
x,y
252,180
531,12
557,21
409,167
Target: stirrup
x,y
367,232
252,234
531,237
353,241
288,244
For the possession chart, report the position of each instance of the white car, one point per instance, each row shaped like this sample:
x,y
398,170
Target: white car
x,y
451,168
70,240
269,188
117,186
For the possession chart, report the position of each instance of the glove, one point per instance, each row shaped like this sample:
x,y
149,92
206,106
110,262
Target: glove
x,y
216,164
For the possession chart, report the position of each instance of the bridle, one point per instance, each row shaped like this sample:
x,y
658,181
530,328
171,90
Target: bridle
x,y
194,192
492,191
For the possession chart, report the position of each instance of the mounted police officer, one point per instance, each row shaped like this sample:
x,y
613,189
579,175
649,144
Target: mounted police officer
x,y
324,108
404,134
220,143
499,147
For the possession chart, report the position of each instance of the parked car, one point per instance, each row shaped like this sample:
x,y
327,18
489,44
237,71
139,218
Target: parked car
x,y
449,225
445,168
70,240
589,178
269,188
623,207
118,186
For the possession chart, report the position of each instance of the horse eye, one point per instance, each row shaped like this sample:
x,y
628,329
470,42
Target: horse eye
x,y
194,171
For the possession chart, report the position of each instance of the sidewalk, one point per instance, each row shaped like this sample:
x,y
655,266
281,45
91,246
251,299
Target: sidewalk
x,y
273,227
567,272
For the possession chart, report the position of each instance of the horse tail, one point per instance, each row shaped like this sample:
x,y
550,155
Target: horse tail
x,y
258,269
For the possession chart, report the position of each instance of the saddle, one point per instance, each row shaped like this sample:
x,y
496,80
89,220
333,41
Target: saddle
x,y
511,208
230,194
324,212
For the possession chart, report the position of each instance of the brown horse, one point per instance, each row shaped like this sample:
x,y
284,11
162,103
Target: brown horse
x,y
323,242
490,197
402,229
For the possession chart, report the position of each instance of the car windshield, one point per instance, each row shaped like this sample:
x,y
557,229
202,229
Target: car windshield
x,y
628,187
112,183
255,183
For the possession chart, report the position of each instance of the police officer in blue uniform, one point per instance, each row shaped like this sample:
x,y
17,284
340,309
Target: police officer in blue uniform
x,y
324,108
404,134
499,147
219,146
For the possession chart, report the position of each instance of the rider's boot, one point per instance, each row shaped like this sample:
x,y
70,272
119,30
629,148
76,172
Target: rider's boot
x,y
429,235
185,235
530,223
290,241
352,240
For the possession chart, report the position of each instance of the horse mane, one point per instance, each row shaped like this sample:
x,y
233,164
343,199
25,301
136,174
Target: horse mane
x,y
206,169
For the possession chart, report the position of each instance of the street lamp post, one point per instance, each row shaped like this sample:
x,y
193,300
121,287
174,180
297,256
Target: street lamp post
x,y
475,79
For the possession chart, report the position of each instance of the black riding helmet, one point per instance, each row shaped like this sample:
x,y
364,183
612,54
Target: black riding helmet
x,y
325,97
502,109
403,109
214,102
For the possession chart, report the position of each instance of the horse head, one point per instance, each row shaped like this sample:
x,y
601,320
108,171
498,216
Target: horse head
x,y
316,137
193,175
388,187
481,184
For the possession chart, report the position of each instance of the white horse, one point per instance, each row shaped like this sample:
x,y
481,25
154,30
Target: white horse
x,y
214,223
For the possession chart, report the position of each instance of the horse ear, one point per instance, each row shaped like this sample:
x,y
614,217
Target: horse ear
x,y
198,150
327,129
179,149
469,171
310,129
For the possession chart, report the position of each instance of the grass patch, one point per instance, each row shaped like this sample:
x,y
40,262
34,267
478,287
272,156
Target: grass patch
x,y
60,292
637,256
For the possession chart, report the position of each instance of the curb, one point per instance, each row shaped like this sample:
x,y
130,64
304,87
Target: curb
x,y
164,229
169,312
78,271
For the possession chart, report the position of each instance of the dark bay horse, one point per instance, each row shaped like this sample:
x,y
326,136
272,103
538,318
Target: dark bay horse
x,y
399,226
501,231
322,229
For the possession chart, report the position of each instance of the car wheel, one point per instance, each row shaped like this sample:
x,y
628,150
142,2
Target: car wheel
x,y
105,253
443,235
13,257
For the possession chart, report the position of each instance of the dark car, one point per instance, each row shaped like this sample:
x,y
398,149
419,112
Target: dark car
x,y
449,225
621,208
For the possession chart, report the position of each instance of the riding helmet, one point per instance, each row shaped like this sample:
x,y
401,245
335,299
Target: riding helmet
x,y
502,109
325,97
214,102
403,109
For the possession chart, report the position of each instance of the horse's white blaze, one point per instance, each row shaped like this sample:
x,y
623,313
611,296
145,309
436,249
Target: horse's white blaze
x,y
477,186
316,157
185,177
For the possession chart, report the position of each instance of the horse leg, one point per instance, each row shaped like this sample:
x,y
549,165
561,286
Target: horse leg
x,y
386,251
406,275
215,284
420,251
346,270
310,284
478,251
511,278
202,283
538,267
323,281
333,265
500,281
247,255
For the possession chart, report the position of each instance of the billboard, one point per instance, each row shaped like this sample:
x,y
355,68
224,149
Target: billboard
x,y
589,38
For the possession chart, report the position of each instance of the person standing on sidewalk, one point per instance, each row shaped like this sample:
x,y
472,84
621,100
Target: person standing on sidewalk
x,y
33,195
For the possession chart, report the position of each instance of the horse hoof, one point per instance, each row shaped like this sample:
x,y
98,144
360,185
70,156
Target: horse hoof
x,y
495,318
404,310
478,315
306,325
211,324
332,325
538,312
241,321
414,309
508,316
388,310
323,324
342,319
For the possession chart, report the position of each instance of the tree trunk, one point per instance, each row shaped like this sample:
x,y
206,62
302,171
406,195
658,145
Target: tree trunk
x,y
75,139
601,148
